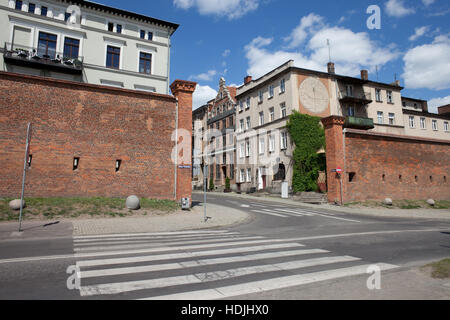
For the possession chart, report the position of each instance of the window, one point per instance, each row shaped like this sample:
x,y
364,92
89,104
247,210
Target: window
x,y
30,160
283,110
434,125
47,45
271,87
44,11
247,125
272,114
392,119
412,122
242,178
284,140
31,7
231,121
262,146
282,86
118,163
380,117
378,95
150,36
241,125
113,57
446,126
142,34
145,63
351,111
110,26
241,106
217,171
224,124
389,97
247,148
247,104
19,5
76,163
260,96
423,123
271,143
281,173
242,150
249,175
349,89
261,118
119,28
67,16
71,48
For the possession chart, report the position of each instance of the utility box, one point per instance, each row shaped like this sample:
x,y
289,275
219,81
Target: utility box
x,y
185,203
285,190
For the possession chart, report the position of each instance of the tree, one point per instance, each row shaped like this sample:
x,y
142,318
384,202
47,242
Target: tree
x,y
211,185
309,137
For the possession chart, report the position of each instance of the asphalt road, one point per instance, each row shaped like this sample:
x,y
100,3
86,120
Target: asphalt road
x,y
284,252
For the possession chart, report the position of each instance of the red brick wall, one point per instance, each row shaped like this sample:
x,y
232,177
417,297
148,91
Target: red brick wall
x,y
95,123
372,155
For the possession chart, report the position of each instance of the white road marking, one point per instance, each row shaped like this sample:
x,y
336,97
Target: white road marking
x,y
270,284
120,287
197,263
289,212
269,213
181,255
153,234
156,238
296,211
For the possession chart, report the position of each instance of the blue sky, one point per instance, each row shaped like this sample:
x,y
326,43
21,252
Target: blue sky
x,y
233,38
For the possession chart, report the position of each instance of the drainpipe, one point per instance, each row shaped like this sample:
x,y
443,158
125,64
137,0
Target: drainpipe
x,y
176,152
168,66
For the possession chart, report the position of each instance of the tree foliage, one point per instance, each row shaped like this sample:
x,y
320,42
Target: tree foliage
x,y
309,137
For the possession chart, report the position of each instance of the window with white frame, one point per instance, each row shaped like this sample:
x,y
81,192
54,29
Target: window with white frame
x,y
247,124
241,125
271,143
261,118
241,105
260,96
247,148
389,97
242,150
412,123
392,119
262,145
351,111
283,110
247,103
434,125
284,140
446,126
349,89
282,86
242,175
378,95
249,175
380,117
271,89
423,123
272,114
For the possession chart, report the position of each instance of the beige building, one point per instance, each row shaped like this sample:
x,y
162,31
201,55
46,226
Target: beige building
x,y
264,149
85,41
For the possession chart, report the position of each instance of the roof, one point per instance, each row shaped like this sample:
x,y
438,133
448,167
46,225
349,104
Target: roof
x,y
414,99
128,14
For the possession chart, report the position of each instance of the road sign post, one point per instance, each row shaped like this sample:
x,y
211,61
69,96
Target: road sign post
x,y
205,186
27,154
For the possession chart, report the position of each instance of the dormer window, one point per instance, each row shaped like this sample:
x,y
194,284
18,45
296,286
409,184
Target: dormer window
x,y
110,27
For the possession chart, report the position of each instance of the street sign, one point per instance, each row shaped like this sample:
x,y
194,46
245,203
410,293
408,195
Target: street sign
x,y
339,170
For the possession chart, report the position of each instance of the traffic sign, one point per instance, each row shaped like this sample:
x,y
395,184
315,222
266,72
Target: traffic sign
x,y
339,170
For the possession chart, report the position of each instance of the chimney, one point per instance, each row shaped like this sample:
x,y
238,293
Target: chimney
x,y
331,69
364,75
247,79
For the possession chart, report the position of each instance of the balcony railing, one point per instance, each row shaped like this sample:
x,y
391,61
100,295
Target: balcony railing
x,y
359,123
34,58
361,98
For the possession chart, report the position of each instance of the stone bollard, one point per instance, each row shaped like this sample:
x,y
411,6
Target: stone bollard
x,y
15,204
431,202
388,201
133,203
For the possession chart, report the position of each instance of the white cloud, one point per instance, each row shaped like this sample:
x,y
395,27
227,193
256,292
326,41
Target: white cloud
x,y
233,9
226,53
350,51
396,8
427,2
419,32
202,95
308,24
428,66
208,76
433,104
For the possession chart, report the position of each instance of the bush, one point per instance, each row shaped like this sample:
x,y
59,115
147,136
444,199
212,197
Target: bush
x,y
309,137
211,185
227,184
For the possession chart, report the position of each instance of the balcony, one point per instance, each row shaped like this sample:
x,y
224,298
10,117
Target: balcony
x,y
30,57
359,123
359,98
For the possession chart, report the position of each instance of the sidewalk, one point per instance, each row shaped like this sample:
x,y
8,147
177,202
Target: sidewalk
x,y
439,214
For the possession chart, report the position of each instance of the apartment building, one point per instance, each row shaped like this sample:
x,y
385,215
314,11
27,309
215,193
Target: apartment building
x,y
199,143
264,148
87,42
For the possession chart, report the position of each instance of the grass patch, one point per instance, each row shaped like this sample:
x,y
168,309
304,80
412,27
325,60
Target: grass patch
x,y
52,208
440,269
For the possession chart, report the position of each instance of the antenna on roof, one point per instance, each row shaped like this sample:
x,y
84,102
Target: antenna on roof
x,y
329,50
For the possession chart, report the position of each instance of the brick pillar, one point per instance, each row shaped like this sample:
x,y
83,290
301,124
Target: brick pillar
x,y
183,90
335,156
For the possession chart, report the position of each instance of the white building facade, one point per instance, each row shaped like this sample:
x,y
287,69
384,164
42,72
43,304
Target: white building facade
x,y
87,42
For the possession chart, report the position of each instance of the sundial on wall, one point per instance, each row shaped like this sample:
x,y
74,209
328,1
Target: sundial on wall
x,y
314,95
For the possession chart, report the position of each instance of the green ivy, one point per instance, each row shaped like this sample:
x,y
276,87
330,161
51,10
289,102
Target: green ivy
x,y
211,185
309,137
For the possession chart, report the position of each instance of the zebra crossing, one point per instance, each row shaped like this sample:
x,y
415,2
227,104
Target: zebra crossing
x,y
202,265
